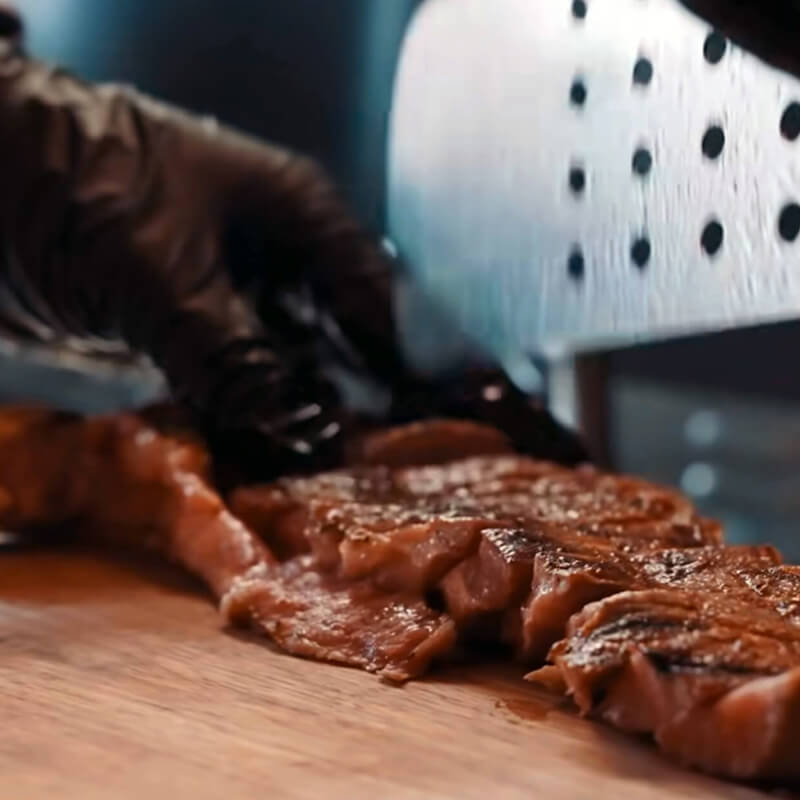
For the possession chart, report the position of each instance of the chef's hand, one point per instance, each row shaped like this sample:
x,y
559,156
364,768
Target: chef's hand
x,y
232,263
122,218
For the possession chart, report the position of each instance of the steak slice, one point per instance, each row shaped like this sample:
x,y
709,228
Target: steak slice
x,y
404,527
433,441
525,583
119,481
581,570
399,548
315,615
279,512
484,592
713,675
407,528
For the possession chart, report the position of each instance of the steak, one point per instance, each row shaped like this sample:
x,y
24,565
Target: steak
x,y
429,442
406,528
531,580
118,481
122,482
646,618
477,537
713,675
616,589
316,615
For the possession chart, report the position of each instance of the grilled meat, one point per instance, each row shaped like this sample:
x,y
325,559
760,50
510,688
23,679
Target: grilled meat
x,y
120,481
650,622
712,672
315,614
430,442
117,480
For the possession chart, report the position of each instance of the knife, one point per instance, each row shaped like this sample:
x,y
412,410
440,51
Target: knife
x,y
573,175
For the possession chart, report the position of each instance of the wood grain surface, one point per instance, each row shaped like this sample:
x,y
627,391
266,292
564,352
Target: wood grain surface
x,y
117,681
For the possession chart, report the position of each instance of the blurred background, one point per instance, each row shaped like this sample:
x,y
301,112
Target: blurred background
x,y
718,416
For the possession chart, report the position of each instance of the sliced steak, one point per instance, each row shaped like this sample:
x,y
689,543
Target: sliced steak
x,y
713,674
279,512
407,528
429,442
581,570
398,548
662,629
119,481
525,582
493,532
314,615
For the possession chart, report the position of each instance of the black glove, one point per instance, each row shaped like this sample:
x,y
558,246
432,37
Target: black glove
x,y
233,264
122,218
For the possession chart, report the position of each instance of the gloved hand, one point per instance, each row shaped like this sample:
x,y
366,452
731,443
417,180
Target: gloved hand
x,y
121,217
232,263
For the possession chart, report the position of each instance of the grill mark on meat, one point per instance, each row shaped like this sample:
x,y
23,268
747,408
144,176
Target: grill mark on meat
x,y
672,664
567,579
541,575
707,666
633,623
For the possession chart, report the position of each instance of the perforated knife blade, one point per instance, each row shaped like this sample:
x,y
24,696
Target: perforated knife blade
x,y
579,174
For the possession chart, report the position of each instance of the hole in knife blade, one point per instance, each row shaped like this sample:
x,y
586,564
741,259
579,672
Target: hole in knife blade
x,y
577,179
640,251
576,265
789,222
790,122
712,237
579,9
713,142
578,92
714,47
642,71
642,161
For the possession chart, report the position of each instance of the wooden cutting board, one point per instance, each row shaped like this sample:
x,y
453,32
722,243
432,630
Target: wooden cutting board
x,y
117,681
